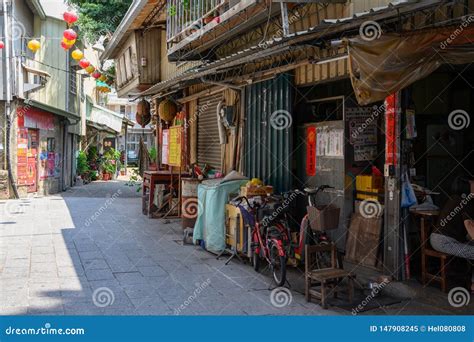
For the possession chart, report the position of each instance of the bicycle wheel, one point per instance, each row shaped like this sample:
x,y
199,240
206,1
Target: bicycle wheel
x,y
278,266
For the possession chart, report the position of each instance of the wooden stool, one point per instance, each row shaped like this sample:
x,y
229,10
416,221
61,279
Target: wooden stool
x,y
327,279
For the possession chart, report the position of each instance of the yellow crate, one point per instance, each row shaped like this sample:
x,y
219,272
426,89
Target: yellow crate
x,y
368,182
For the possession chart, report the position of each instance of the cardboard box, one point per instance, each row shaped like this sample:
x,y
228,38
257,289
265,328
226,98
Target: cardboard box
x,y
325,217
248,191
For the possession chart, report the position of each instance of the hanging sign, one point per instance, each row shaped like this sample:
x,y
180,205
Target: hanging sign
x,y
175,146
390,130
311,151
165,146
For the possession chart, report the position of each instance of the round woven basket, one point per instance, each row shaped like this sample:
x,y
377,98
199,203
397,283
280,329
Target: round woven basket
x,y
167,110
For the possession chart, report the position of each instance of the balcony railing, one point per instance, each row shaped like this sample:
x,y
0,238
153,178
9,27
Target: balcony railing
x,y
188,16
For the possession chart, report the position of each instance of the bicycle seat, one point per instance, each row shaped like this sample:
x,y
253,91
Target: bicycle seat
x,y
311,191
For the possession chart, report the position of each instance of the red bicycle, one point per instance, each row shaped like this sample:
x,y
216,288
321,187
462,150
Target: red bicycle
x,y
270,238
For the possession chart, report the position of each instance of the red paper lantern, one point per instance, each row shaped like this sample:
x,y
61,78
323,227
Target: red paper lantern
x,y
84,63
96,74
70,17
70,34
2,45
65,46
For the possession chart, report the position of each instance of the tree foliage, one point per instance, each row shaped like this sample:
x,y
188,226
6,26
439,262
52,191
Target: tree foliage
x,y
99,17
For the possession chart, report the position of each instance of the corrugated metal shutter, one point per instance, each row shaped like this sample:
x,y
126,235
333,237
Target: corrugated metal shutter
x,y
208,147
268,146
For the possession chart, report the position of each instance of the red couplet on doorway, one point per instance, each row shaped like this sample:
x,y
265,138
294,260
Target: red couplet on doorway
x,y
311,151
390,130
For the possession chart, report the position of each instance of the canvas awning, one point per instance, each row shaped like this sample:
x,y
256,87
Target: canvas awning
x,y
104,117
392,62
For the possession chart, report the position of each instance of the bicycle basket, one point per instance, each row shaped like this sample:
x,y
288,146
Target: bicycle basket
x,y
324,217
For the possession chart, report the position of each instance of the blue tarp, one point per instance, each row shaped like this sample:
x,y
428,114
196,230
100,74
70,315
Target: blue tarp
x,y
210,223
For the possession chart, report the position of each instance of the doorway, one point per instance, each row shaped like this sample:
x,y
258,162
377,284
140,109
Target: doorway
x,y
32,160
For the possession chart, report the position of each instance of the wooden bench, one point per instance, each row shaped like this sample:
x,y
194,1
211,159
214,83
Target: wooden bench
x,y
320,283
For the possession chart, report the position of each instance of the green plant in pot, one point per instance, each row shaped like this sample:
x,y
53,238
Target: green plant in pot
x,y
110,159
153,156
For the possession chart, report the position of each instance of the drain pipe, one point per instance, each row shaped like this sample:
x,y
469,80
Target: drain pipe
x,y
8,102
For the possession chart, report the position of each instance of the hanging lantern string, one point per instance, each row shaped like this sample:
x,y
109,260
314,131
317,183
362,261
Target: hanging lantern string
x,y
53,67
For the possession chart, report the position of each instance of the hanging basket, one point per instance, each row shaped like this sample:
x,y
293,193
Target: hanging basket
x,y
143,116
167,110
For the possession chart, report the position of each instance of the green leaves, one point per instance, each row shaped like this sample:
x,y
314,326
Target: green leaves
x,y
99,17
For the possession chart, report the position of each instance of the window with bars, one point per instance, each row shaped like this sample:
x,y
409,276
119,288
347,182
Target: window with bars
x,y
72,80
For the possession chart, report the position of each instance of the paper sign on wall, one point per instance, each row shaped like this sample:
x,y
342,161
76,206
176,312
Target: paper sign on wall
x,y
175,146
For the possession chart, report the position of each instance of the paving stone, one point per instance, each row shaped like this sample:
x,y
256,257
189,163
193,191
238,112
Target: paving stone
x,y
130,278
152,271
99,274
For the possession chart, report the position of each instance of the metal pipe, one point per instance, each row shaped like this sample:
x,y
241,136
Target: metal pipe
x,y
222,84
8,99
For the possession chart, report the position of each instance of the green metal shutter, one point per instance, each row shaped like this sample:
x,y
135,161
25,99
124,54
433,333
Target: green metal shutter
x,y
208,147
267,149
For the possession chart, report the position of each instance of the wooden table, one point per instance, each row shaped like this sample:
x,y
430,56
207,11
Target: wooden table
x,y
150,179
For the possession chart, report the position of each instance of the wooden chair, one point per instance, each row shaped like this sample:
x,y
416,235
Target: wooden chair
x,y
320,283
428,252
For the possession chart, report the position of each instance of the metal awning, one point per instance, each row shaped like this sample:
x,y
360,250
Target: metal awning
x,y
104,117
72,117
99,127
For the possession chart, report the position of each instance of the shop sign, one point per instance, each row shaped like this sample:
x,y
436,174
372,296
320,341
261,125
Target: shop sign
x,y
311,151
34,118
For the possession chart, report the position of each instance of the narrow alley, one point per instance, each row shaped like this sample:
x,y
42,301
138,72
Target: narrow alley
x,y
57,251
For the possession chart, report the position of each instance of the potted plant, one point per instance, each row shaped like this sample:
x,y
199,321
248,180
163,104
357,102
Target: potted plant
x,y
153,154
122,170
110,159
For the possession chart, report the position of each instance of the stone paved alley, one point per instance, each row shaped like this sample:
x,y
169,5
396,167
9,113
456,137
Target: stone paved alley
x,y
91,251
